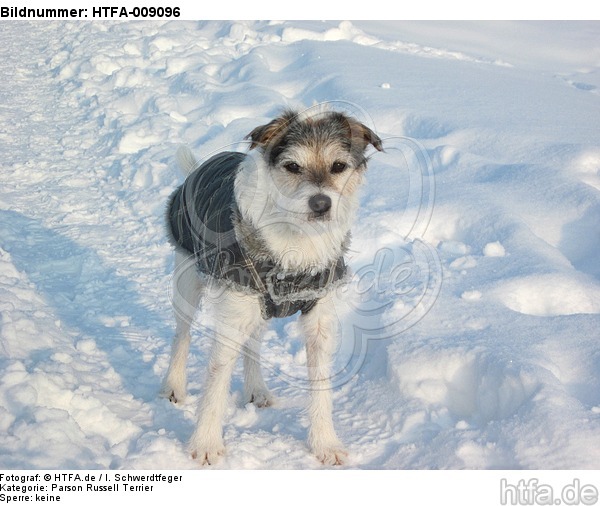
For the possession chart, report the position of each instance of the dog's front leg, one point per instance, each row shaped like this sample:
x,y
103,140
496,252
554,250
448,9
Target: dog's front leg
x,y
320,328
187,290
255,389
237,318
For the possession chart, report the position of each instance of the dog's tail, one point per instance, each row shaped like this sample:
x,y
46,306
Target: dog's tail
x,y
186,160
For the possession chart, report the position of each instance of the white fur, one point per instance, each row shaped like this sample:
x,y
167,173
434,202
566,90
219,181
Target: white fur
x,y
299,243
320,327
187,291
238,319
186,160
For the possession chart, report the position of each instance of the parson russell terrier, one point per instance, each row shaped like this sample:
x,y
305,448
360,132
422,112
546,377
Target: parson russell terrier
x,y
262,235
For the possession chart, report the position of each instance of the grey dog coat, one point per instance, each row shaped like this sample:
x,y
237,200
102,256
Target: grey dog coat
x,y
201,218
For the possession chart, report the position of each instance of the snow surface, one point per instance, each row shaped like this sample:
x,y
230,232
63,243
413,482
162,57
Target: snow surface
x,y
496,366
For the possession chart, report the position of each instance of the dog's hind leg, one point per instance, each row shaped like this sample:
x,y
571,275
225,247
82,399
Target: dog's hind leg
x,y
238,317
255,389
320,329
187,290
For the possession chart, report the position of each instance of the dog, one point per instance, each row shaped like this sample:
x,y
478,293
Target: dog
x,y
262,235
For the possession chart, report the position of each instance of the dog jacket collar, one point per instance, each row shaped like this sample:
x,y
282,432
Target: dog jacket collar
x,y
201,218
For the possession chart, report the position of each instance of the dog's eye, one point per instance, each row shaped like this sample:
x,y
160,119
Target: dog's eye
x,y
292,167
338,167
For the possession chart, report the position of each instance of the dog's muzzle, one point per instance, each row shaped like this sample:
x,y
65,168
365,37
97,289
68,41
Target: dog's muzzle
x,y
320,205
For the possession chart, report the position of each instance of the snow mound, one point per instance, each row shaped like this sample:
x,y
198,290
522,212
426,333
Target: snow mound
x,y
472,386
550,295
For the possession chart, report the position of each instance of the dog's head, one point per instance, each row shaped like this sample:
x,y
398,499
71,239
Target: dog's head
x,y
306,170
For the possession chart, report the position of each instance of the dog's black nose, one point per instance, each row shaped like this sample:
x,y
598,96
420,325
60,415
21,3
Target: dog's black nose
x,y
319,203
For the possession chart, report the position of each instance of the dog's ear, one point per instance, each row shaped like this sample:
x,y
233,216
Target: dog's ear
x,y
263,135
365,135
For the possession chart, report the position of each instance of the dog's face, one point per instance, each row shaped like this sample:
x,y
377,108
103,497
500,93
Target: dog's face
x,y
306,174
314,160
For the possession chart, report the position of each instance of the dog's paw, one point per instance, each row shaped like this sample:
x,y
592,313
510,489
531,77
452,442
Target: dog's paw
x,y
208,455
261,398
336,456
175,395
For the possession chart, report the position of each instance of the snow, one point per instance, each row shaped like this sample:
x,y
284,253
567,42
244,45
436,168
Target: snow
x,y
494,249
470,335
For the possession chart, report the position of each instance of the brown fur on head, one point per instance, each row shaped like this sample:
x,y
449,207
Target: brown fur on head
x,y
263,135
325,149
315,126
